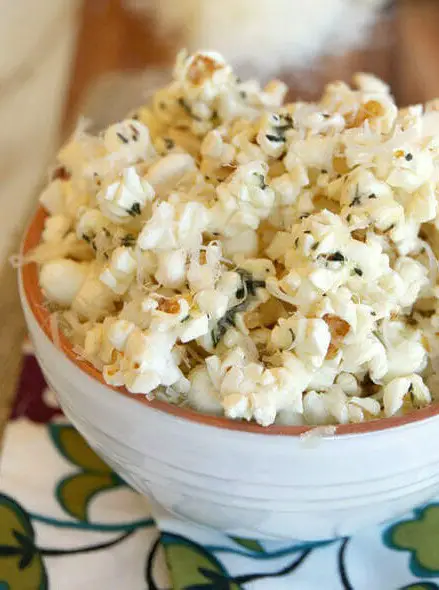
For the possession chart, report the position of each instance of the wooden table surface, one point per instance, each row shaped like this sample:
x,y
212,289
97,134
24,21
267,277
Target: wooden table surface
x,y
404,50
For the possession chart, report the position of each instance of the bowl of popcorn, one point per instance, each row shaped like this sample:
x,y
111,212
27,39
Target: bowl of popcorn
x,y
236,301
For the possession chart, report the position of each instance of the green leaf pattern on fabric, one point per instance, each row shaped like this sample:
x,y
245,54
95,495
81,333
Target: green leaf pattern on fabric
x,y
419,536
21,565
76,491
192,567
421,586
249,544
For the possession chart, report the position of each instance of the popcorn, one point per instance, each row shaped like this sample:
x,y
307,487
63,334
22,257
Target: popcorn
x,y
194,327
52,198
401,388
202,394
244,200
124,199
55,228
61,280
201,75
348,383
289,186
130,140
119,332
94,300
171,226
214,148
272,134
171,271
212,302
165,174
89,223
121,270
266,262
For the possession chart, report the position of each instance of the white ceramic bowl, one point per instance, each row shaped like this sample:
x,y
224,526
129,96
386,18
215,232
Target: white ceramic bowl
x,y
239,477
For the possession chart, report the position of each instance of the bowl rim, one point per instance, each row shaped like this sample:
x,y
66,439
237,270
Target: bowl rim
x,y
33,295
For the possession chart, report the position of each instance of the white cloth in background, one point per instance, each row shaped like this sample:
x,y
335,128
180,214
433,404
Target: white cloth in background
x,y
36,48
264,36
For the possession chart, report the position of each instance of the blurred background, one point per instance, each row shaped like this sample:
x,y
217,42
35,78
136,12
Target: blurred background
x,y
63,58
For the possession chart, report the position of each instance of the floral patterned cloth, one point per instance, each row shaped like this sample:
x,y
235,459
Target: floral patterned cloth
x,y
68,522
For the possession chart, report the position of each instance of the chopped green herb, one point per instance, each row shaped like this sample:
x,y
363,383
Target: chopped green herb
x,y
106,232
296,242
409,157
215,336
275,138
86,238
122,138
315,246
188,109
136,133
169,143
135,210
336,257
243,94
282,128
262,183
372,196
128,240
358,271
249,285
184,105
240,293
185,319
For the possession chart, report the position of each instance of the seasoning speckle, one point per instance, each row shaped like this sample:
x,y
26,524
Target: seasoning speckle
x,y
122,138
336,257
135,210
275,138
